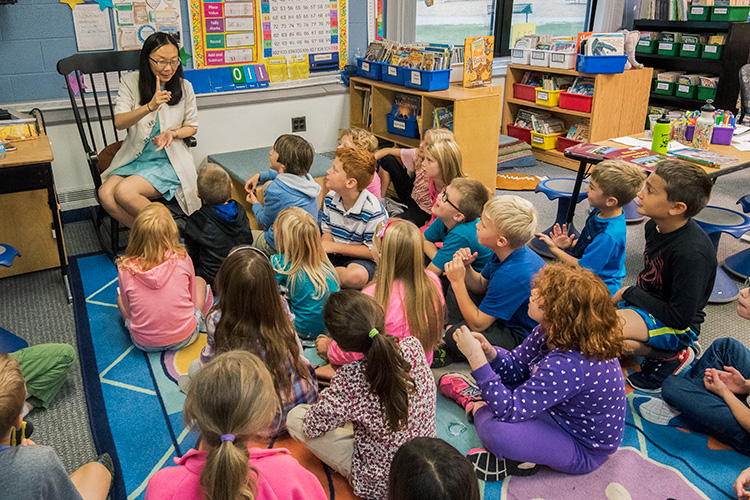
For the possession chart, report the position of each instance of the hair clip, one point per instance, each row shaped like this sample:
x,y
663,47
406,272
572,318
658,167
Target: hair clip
x,y
227,437
381,233
373,332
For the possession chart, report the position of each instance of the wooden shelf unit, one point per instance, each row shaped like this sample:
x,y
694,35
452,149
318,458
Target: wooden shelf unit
x,y
476,120
735,54
618,108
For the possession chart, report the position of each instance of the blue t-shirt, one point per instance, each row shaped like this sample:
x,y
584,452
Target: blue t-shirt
x,y
308,310
509,289
463,235
601,248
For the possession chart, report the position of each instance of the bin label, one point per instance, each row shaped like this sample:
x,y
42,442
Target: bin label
x,y
393,70
711,48
365,66
683,88
416,78
537,54
688,47
662,86
665,46
399,125
644,43
721,11
558,58
697,11
516,53
537,139
542,96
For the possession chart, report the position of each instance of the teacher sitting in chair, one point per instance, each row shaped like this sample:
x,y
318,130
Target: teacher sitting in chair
x,y
158,108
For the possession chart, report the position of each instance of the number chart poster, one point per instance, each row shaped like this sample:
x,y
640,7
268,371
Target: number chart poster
x,y
135,21
239,32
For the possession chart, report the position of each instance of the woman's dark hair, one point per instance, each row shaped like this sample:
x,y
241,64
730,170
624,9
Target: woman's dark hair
x,y
430,469
349,317
146,78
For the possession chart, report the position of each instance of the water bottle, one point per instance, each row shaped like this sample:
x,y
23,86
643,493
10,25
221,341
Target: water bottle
x,y
704,126
662,130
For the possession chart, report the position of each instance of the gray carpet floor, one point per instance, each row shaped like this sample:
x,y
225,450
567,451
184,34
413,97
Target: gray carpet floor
x,y
34,306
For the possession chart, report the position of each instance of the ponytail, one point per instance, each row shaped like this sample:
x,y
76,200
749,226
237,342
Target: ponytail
x,y
231,400
357,323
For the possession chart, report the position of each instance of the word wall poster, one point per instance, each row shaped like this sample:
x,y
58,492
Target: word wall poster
x,y
136,21
232,32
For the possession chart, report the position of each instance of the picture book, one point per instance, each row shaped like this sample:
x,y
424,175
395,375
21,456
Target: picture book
x,y
406,105
591,150
478,53
443,118
642,157
704,158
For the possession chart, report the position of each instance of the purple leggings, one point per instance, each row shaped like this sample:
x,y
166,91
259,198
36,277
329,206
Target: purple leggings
x,y
539,440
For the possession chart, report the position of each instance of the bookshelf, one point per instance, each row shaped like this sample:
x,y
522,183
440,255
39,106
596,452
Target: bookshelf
x,y
476,120
727,68
618,108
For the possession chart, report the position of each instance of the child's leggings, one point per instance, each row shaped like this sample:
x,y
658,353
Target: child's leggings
x,y
539,440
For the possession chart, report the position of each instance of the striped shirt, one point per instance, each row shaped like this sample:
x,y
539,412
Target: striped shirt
x,y
355,226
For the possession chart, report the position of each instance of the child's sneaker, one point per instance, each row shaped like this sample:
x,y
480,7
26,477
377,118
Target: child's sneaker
x,y
442,357
460,389
490,469
654,371
657,412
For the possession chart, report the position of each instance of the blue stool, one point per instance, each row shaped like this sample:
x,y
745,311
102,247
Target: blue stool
x,y
739,263
560,189
631,212
714,221
7,254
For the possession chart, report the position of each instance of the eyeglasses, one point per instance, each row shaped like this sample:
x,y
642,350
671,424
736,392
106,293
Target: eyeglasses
x,y
444,195
163,64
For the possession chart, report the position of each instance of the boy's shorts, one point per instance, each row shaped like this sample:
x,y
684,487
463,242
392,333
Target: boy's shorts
x,y
339,260
662,336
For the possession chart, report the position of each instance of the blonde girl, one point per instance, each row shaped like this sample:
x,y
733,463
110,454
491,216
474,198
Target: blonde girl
x,y
232,401
159,296
302,266
442,163
558,399
361,139
398,164
250,315
411,296
388,397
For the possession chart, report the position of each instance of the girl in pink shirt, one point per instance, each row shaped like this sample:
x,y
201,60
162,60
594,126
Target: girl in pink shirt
x,y
159,296
411,296
233,400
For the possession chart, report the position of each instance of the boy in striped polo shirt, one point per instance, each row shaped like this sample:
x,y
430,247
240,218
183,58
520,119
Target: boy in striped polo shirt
x,y
350,216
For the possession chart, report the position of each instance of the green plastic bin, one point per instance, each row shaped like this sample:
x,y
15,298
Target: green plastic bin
x,y
730,13
706,93
690,50
664,88
668,48
686,91
646,46
699,13
709,51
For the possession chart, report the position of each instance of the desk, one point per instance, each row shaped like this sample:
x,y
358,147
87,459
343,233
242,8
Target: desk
x,y
26,180
713,173
241,165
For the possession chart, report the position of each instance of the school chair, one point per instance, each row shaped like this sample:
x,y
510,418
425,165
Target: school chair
x,y
7,254
714,221
739,263
560,189
90,78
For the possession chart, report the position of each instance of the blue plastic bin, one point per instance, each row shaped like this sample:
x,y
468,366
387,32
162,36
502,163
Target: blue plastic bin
x,y
402,126
369,69
427,80
601,64
393,74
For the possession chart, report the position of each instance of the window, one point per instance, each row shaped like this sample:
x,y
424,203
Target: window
x,y
450,21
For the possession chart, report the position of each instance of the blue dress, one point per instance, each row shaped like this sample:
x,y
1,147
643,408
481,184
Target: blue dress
x,y
154,166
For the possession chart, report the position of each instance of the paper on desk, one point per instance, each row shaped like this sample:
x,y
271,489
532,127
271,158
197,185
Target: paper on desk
x,y
646,143
742,146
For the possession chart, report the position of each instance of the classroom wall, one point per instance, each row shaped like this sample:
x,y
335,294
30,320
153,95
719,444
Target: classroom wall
x,y
35,34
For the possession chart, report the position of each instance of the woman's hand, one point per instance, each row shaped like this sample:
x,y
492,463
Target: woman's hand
x,y
163,140
160,96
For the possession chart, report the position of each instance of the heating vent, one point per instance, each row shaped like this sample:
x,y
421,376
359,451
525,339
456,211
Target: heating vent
x,y
78,198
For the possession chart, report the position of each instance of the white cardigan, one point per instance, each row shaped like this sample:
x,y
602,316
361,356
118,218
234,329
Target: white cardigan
x,y
184,113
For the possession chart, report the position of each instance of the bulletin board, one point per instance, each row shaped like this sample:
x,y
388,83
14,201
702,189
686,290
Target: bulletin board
x,y
239,32
137,20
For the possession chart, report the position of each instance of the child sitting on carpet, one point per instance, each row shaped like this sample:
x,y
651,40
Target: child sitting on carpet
x,y
159,296
302,266
442,164
232,400
359,138
431,469
411,296
388,397
558,399
251,315
31,471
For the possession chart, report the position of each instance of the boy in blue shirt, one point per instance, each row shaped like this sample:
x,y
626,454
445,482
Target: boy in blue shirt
x,y
291,186
601,246
503,288
457,211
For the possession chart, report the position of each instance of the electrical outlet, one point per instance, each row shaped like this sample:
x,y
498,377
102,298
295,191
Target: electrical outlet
x,y
299,124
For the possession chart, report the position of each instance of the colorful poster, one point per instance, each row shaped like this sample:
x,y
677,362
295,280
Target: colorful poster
x,y
224,32
135,21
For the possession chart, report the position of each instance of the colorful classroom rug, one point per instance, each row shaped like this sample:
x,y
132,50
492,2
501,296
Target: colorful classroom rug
x,y
135,410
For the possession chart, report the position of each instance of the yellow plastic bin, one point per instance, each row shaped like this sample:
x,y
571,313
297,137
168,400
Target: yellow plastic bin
x,y
544,141
547,97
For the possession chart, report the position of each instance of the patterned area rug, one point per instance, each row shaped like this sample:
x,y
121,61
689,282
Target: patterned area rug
x,y
135,409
